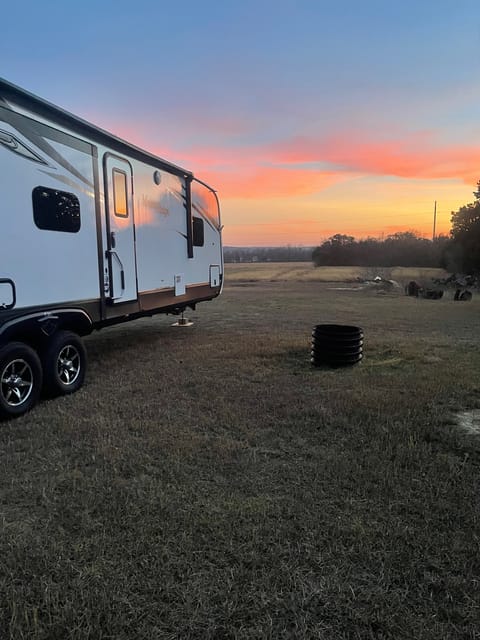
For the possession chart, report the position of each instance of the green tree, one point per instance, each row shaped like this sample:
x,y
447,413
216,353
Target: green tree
x,y
463,253
401,249
477,192
337,250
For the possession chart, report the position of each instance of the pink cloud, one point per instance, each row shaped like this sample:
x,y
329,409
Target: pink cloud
x,y
273,182
287,168
417,156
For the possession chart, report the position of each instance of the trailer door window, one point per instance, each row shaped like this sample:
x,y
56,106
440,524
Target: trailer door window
x,y
55,210
120,193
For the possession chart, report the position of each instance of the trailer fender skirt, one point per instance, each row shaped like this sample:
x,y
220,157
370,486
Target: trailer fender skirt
x,y
46,323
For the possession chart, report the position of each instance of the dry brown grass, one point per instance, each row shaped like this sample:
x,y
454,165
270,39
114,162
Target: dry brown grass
x,y
208,483
306,272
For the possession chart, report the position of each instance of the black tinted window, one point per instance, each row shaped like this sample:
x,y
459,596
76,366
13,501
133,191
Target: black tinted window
x,y
56,210
198,233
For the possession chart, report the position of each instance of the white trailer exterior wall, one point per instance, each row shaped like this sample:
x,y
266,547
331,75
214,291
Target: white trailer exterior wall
x,y
93,230
47,267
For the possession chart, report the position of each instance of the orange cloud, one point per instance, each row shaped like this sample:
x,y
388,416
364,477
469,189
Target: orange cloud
x,y
304,166
288,168
414,157
271,182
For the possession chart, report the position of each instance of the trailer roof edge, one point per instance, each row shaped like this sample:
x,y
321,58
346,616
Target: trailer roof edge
x,y
16,94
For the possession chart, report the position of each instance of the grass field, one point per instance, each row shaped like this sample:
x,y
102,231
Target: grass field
x,y
208,482
306,272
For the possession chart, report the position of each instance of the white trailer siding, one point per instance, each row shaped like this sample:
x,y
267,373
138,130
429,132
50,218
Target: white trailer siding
x,y
144,260
209,257
48,267
161,232
161,227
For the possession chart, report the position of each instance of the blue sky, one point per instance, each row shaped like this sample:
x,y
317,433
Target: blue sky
x,y
309,118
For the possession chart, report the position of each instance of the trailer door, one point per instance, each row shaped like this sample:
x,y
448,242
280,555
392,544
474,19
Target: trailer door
x,y
121,260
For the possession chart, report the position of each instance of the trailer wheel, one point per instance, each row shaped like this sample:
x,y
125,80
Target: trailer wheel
x,y
64,363
20,379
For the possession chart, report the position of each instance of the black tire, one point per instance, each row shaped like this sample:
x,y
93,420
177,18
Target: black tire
x,y
20,379
64,363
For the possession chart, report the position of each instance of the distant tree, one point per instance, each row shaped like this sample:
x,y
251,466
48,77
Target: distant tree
x,y
288,253
404,249
337,250
463,253
407,249
341,240
477,192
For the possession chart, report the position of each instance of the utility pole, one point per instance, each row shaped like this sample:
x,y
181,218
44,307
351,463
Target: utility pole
x,y
434,219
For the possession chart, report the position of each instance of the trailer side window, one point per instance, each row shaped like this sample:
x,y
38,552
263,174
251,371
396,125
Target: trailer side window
x,y
120,193
55,210
198,233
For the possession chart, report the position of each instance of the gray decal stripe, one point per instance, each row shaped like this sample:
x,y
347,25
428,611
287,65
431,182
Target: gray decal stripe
x,y
9,141
29,130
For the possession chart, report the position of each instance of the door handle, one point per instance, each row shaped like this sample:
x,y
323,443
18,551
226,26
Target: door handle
x,y
114,254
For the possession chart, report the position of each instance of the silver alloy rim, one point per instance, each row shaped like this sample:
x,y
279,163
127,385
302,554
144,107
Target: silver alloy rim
x,y
16,382
68,364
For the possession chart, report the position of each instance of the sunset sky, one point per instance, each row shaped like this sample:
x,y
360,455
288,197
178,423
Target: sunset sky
x,y
309,117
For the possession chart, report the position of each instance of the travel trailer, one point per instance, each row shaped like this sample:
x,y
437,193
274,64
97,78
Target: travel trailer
x,y
93,231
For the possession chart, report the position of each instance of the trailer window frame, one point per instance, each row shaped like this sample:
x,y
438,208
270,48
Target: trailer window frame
x,y
120,200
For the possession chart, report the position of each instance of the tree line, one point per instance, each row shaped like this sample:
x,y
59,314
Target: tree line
x,y
458,252
404,249
268,254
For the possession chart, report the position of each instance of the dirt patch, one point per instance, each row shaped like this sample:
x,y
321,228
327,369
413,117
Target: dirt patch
x,y
469,421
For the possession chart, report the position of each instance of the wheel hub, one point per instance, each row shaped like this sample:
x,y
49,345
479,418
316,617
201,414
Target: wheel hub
x,y
16,386
68,365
